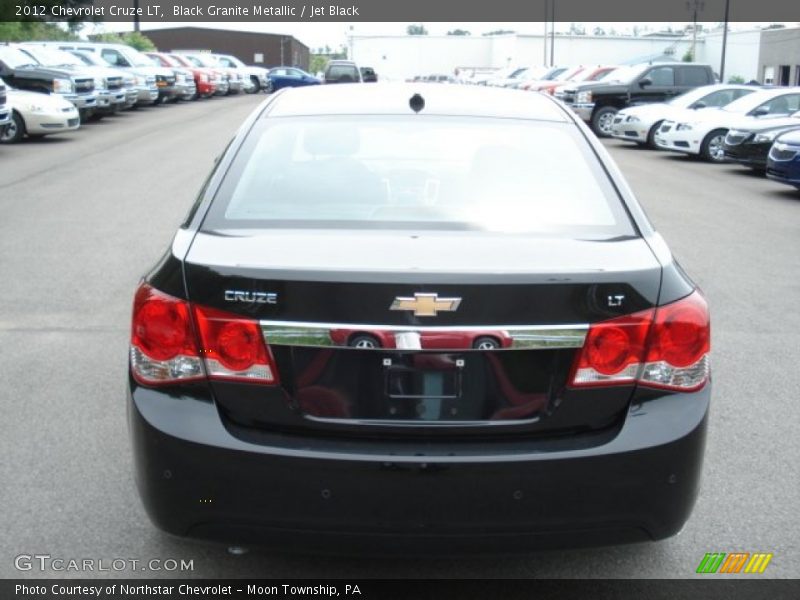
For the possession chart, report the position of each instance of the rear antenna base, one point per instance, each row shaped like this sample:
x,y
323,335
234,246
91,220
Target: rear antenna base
x,y
416,102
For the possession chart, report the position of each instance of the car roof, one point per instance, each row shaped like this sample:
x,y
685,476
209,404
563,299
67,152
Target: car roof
x,y
393,98
728,86
776,91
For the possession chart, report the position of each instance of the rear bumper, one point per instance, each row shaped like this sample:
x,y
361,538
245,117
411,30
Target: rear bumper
x,y
197,479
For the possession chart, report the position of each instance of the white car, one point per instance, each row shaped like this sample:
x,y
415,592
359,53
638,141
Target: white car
x,y
640,123
35,115
509,76
534,85
255,78
703,132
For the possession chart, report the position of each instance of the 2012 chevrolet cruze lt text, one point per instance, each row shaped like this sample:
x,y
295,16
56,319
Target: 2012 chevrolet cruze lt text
x,y
417,319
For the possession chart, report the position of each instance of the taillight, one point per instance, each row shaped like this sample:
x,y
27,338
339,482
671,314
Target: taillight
x,y
667,347
613,351
163,348
679,346
233,347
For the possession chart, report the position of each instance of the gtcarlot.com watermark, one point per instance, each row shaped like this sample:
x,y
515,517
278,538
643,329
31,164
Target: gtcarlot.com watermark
x,y
46,562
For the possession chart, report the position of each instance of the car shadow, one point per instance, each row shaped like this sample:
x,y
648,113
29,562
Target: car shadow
x,y
213,560
788,193
748,172
53,140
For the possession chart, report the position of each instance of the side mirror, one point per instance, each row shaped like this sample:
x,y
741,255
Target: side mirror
x,y
698,104
645,81
761,111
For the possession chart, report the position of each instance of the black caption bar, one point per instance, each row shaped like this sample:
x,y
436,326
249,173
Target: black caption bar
x,y
104,589
398,10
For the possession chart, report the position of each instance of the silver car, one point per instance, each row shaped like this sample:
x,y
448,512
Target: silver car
x,y
256,77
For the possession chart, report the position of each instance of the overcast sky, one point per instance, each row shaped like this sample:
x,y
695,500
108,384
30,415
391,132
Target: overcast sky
x,y
318,35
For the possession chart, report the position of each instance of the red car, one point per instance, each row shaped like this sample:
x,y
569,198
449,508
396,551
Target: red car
x,y
427,340
584,76
204,78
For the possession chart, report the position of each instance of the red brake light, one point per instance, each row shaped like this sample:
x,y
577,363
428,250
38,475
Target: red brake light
x,y
162,344
667,347
160,325
681,333
233,347
164,348
613,351
679,347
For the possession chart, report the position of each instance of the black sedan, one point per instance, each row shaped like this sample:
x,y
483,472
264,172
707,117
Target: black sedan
x,y
423,218
749,145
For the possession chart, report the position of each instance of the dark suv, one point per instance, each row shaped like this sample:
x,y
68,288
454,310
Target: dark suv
x,y
598,102
20,71
342,71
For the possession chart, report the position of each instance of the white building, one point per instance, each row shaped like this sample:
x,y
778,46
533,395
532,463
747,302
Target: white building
x,y
399,57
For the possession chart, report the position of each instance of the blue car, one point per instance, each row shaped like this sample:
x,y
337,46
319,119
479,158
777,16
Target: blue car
x,y
282,77
783,163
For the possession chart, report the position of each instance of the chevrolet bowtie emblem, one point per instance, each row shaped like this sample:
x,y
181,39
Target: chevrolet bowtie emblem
x,y
425,305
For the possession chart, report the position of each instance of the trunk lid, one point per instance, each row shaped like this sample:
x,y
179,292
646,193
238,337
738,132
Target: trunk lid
x,y
511,312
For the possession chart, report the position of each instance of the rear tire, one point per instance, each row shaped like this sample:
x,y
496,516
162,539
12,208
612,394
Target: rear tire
x,y
256,85
14,131
712,147
603,120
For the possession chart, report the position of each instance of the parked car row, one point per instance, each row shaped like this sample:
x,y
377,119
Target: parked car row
x,y
754,126
676,106
53,87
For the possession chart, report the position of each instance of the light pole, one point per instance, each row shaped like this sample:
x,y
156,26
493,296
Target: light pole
x,y
544,38
724,44
695,6
552,30
136,15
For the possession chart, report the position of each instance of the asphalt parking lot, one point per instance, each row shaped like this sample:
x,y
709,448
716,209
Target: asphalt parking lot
x,y
85,214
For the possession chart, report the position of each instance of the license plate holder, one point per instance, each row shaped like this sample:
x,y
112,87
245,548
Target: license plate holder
x,y
433,377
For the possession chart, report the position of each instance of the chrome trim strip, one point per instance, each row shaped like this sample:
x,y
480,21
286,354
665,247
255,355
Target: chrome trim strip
x,y
420,423
517,337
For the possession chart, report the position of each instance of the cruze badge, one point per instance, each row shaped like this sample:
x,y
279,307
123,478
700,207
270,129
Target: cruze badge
x,y
251,297
425,305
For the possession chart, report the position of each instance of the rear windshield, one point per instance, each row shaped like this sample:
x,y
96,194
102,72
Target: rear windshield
x,y
342,71
418,172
